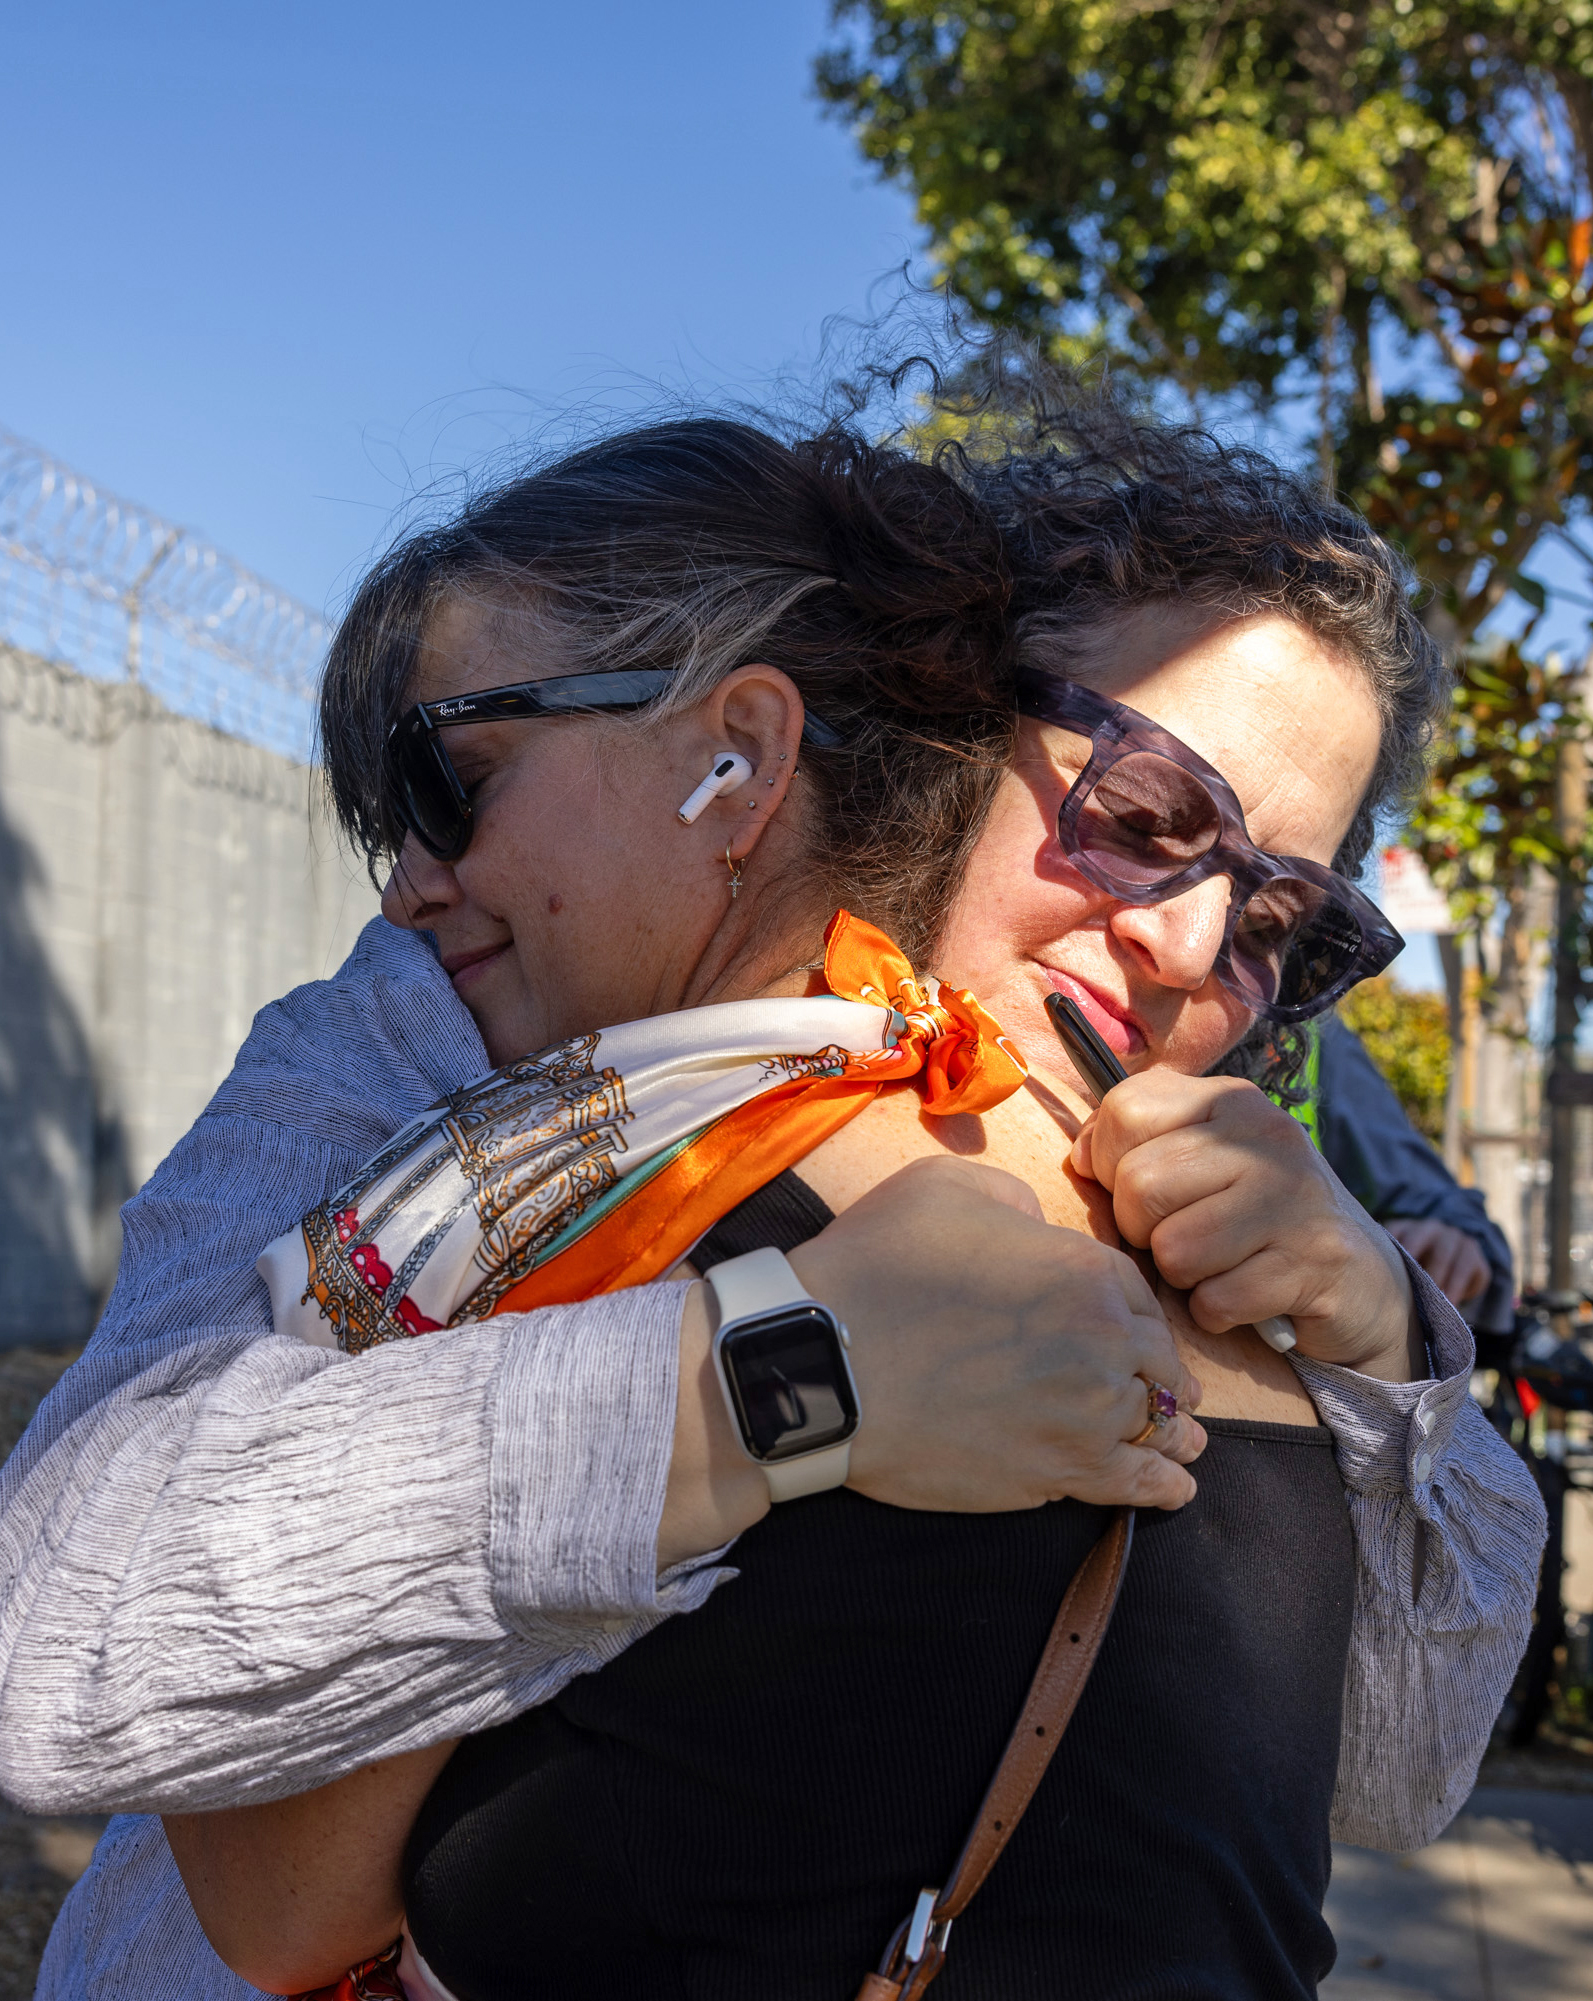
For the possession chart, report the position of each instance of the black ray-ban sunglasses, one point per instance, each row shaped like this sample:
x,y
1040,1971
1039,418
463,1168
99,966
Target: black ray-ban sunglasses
x,y
425,791
1147,819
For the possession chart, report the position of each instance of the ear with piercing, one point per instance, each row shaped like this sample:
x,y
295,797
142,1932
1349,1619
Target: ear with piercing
x,y
728,770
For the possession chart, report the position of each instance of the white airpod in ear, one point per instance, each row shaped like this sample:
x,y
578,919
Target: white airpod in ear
x,y
729,770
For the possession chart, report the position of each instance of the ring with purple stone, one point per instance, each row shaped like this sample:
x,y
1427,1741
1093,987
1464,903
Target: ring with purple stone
x,y
1161,1407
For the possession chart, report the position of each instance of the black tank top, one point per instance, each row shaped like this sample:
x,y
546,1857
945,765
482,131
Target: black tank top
x,y
748,1800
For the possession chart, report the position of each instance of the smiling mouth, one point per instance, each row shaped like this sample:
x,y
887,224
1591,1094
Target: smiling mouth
x,y
1111,1020
458,964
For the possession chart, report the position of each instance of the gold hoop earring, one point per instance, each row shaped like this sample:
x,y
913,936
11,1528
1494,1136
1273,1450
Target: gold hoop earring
x,y
735,876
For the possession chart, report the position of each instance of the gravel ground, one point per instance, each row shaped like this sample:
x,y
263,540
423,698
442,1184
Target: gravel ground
x,y
40,1860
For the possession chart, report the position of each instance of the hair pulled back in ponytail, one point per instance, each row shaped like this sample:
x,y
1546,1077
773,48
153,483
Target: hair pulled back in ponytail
x,y
877,581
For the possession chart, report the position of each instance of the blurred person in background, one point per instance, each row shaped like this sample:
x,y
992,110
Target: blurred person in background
x,y
1368,1140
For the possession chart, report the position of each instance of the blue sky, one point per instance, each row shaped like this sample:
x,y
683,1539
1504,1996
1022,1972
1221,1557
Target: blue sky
x,y
266,269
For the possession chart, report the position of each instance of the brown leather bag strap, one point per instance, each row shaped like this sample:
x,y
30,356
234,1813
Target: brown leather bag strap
x,y
918,1947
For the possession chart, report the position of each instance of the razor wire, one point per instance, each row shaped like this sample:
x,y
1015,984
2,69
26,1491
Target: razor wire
x,y
108,588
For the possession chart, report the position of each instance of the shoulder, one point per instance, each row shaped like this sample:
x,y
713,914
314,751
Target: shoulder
x,y
328,1074
1344,1061
355,1056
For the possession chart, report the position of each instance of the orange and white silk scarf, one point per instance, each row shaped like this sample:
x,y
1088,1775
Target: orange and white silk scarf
x,y
597,1164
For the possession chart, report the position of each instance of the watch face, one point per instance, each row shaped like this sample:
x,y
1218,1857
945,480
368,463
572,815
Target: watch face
x,y
788,1380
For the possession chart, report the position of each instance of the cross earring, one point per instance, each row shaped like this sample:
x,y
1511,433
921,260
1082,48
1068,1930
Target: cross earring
x,y
735,876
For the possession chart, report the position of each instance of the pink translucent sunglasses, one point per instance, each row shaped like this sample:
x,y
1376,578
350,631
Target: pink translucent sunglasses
x,y
1148,818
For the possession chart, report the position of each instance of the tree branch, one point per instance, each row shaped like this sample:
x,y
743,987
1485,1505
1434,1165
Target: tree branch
x,y
1565,535
1426,314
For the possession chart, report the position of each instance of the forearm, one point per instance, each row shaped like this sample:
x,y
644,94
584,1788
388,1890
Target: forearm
x,y
1402,1356
292,1894
1425,1684
1448,1528
1390,1345
249,1566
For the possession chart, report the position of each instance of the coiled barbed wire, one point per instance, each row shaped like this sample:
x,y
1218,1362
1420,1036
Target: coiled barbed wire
x,y
109,588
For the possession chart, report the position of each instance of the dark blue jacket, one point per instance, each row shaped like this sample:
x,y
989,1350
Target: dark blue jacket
x,y
1391,1170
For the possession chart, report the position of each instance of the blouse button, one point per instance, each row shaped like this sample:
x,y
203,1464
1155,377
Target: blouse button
x,y
1423,1468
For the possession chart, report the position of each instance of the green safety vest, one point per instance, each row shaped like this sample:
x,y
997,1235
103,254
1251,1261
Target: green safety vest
x,y
1307,1113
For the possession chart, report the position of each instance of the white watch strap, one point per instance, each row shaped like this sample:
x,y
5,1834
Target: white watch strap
x,y
817,1473
762,1282
756,1282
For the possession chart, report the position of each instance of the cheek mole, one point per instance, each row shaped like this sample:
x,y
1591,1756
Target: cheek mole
x,y
555,903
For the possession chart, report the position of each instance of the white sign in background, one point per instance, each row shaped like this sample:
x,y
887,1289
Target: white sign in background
x,y
1409,899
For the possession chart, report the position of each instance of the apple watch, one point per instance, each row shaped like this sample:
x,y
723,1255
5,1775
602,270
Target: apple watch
x,y
783,1367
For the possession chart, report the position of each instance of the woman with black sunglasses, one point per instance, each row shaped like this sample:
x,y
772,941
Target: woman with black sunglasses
x,y
214,1544
747,1799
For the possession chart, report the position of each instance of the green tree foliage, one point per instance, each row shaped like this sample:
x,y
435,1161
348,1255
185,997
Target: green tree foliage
x,y
1180,179
1491,820
1487,820
1407,1036
1467,479
1238,198
1209,188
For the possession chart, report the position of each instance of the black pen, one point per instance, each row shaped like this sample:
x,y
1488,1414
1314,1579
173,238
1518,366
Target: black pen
x,y
1101,1072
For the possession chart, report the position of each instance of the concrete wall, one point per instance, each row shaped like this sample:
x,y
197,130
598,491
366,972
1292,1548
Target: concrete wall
x,y
159,882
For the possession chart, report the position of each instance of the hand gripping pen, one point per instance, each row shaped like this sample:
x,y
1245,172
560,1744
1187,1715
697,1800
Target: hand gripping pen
x,y
1098,1066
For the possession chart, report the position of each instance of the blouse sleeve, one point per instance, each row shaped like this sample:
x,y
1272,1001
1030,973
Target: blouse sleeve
x,y
232,1566
1449,1527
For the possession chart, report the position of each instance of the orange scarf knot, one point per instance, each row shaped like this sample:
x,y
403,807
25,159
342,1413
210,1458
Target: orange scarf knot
x,y
963,1061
